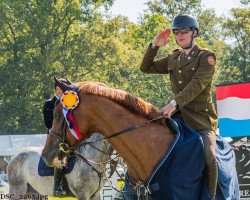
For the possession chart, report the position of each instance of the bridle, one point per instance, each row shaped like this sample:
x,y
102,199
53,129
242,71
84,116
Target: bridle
x,y
63,144
65,148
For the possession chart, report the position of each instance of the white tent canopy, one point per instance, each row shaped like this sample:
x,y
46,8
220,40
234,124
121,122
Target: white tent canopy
x,y
13,144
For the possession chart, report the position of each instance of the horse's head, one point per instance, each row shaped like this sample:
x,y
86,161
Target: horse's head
x,y
60,141
101,110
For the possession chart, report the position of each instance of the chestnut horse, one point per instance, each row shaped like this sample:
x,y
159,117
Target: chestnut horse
x,y
108,111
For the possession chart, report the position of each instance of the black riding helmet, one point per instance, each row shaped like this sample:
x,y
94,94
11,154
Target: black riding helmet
x,y
182,21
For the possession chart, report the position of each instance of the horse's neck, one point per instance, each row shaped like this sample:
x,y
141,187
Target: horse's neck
x,y
97,150
141,148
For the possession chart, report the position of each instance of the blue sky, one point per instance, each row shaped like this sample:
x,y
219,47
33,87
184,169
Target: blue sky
x,y
132,8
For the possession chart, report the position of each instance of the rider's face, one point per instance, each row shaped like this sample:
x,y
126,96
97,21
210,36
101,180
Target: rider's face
x,y
183,37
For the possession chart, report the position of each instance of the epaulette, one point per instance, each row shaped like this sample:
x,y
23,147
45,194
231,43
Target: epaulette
x,y
176,52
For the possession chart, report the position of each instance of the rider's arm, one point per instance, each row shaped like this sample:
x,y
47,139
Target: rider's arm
x,y
149,65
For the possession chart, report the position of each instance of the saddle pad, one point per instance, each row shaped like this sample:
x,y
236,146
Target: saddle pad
x,y
179,174
44,170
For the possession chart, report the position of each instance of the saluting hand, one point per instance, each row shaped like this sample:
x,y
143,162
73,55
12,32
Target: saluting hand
x,y
162,38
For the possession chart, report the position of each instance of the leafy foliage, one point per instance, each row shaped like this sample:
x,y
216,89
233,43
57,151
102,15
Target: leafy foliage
x,y
171,8
237,30
79,40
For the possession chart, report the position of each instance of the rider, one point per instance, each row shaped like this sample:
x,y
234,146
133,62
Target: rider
x,y
48,119
191,70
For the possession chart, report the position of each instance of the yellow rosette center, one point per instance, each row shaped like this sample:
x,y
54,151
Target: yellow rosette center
x,y
69,99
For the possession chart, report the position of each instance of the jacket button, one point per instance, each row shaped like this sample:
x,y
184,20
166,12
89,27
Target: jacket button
x,y
179,71
193,68
206,110
180,82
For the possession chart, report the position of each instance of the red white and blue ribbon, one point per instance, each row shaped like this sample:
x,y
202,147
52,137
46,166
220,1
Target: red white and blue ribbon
x,y
70,101
68,115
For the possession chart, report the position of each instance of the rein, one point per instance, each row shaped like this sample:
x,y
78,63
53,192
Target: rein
x,y
124,130
65,148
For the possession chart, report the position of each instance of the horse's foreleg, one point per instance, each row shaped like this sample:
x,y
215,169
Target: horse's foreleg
x,y
82,196
96,197
17,191
17,182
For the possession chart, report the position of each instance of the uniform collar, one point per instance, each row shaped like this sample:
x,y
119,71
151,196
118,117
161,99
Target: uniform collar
x,y
193,52
183,61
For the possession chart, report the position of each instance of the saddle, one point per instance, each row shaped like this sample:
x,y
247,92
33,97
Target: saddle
x,y
179,174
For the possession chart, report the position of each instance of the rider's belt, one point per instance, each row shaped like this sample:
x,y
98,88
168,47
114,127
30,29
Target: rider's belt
x,y
202,97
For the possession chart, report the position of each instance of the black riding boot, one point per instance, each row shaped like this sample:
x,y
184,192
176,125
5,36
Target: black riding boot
x,y
212,178
58,191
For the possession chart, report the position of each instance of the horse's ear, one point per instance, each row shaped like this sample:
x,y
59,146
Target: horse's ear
x,y
64,87
69,82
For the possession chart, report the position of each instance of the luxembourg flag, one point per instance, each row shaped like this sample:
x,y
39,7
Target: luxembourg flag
x,y
233,105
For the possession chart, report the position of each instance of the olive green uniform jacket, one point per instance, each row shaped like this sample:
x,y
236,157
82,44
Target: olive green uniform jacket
x,y
190,77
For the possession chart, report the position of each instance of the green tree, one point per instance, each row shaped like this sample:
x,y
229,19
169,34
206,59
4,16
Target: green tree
x,y
138,36
236,30
171,8
79,40
36,36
